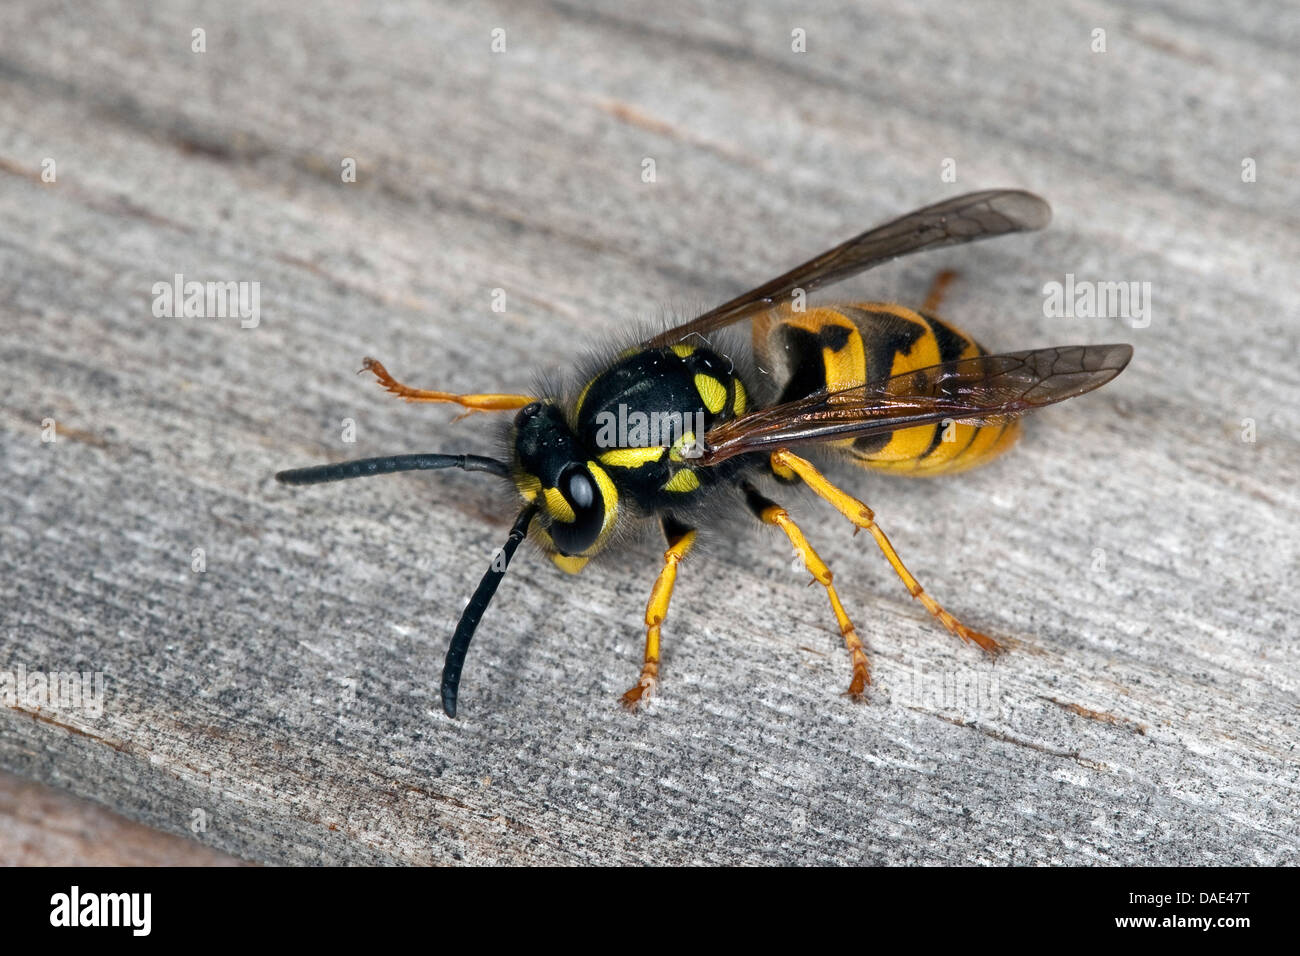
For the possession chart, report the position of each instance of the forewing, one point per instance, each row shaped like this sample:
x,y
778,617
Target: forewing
x,y
979,215
983,390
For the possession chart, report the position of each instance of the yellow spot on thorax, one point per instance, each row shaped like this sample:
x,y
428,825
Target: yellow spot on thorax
x,y
631,457
712,392
682,482
678,451
582,397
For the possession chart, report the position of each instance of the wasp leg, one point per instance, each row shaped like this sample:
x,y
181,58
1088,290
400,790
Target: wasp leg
x,y
474,403
938,289
864,517
680,539
769,512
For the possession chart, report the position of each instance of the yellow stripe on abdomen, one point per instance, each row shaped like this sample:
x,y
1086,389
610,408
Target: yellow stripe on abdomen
x,y
846,346
885,327
930,449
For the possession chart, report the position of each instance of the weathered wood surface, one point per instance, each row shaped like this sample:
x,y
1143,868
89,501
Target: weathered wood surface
x,y
42,826
1139,553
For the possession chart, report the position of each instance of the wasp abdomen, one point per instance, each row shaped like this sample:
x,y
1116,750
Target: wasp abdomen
x,y
848,346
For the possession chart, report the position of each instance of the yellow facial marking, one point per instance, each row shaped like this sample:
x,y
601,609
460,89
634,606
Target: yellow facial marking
x,y
712,392
683,481
557,507
528,485
569,565
610,495
631,457
738,403
682,351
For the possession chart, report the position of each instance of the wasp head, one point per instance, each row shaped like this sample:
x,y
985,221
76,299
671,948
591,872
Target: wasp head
x,y
549,465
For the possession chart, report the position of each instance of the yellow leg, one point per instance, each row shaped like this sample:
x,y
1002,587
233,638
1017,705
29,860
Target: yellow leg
x,y
864,517
655,612
938,289
474,403
769,512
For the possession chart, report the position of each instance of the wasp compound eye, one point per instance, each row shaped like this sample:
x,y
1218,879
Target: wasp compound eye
x,y
579,489
588,506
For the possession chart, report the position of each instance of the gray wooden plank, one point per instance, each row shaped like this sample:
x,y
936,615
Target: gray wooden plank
x,y
41,826
1148,713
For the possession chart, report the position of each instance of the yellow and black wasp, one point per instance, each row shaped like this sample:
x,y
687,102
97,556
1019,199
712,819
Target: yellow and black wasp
x,y
663,428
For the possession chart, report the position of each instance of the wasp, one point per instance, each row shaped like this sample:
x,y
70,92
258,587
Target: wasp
x,y
661,430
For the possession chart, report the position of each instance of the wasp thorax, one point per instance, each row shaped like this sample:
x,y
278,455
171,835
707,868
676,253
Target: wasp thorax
x,y
551,466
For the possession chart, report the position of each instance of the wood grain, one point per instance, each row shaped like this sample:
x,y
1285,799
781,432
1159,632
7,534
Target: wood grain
x,y
1142,557
42,826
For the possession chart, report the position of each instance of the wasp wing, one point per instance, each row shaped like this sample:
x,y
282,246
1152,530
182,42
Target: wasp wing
x,y
983,390
979,215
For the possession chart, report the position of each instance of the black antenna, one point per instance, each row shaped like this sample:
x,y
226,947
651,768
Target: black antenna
x,y
364,467
473,612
